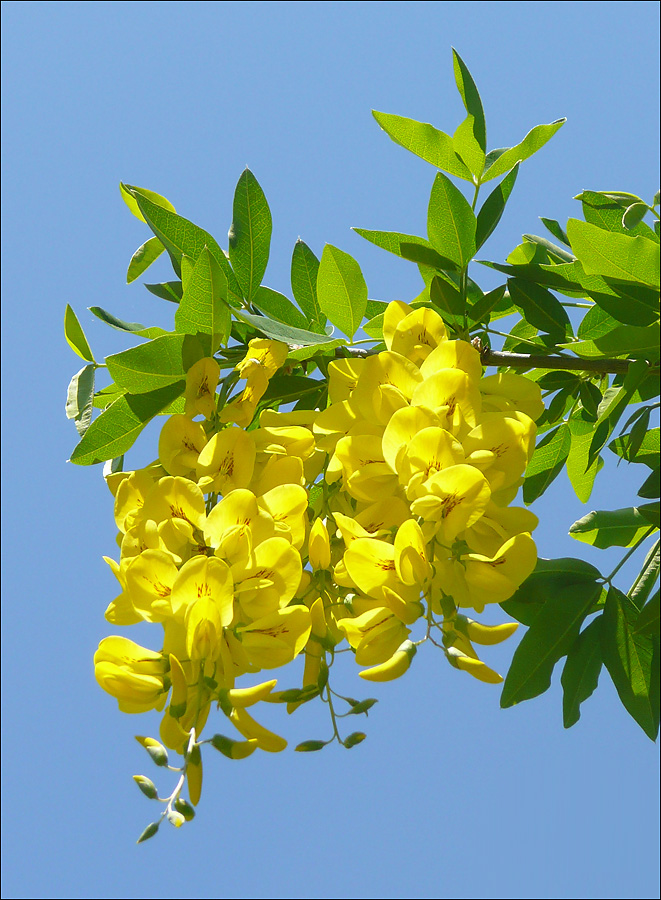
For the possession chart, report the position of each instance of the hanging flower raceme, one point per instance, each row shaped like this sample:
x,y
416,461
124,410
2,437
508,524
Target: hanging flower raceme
x,y
260,536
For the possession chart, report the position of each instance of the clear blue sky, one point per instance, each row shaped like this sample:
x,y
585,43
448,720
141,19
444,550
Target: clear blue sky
x,y
449,797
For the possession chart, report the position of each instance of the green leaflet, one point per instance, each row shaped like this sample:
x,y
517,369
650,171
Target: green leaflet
x,y
134,328
341,290
131,202
481,311
532,142
278,331
181,237
392,240
160,362
425,256
580,474
540,307
631,661
304,269
648,620
447,300
143,257
203,307
647,452
250,234
167,290
548,639
467,147
642,588
277,306
614,255
613,405
546,463
607,212
451,222
611,528
471,98
75,335
493,207
425,141
115,430
80,398
556,229
581,671
548,577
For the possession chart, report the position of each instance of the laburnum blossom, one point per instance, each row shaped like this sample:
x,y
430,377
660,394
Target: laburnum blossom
x,y
260,537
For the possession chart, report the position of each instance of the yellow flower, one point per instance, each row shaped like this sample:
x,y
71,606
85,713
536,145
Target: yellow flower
x,y
276,639
418,334
270,355
375,635
201,381
453,499
132,674
180,444
319,546
227,462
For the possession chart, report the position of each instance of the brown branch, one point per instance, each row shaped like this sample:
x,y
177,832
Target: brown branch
x,y
539,361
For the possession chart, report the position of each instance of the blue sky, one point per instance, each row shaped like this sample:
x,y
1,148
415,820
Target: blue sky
x,y
449,796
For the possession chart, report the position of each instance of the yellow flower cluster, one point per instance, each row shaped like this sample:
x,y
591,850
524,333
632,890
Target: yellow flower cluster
x,y
412,467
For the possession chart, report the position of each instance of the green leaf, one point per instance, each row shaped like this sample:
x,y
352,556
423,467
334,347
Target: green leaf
x,y
646,453
115,430
532,142
143,257
80,398
580,674
471,97
613,405
539,307
650,488
648,620
150,366
596,323
317,350
392,241
75,335
625,340
451,222
647,578
341,290
250,234
304,269
614,255
556,229
629,658
467,147
182,238
580,474
607,209
562,255
134,328
549,576
277,306
610,528
290,388
493,207
204,308
548,639
425,141
481,311
426,256
546,463
156,199
447,299
634,214
278,331
167,290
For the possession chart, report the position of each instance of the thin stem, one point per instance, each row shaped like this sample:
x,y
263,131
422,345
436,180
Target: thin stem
x,y
629,554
